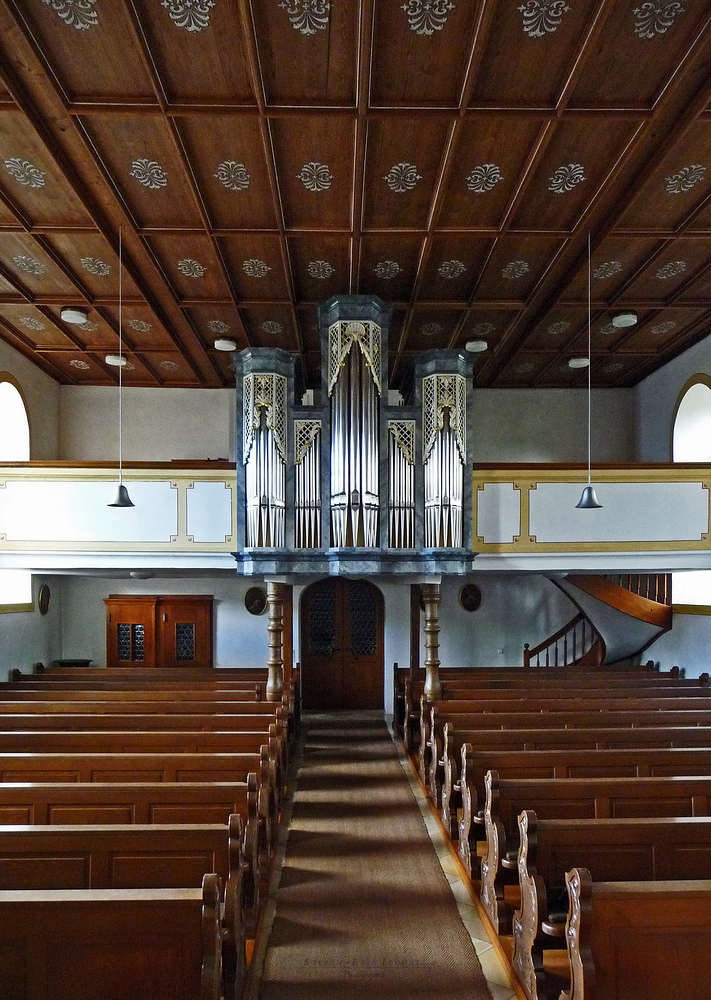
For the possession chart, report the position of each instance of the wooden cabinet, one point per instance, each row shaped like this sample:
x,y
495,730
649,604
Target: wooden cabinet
x,y
158,631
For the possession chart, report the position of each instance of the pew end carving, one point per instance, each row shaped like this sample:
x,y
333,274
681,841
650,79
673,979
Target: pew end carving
x,y
578,929
492,890
470,804
527,957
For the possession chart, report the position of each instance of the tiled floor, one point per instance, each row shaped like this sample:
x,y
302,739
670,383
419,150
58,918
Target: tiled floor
x,y
498,977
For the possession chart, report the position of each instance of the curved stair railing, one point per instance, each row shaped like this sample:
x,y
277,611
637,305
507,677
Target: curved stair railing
x,y
576,644
652,586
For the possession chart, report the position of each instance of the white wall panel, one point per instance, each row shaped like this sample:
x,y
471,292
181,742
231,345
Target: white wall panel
x,y
209,512
631,512
498,513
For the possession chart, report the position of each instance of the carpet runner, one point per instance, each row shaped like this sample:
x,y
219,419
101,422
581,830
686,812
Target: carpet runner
x,y
363,909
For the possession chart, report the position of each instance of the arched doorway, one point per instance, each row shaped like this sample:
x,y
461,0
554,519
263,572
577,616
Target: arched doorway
x,y
342,645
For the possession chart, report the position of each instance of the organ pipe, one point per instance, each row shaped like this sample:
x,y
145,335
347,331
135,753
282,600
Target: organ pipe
x,y
444,456
307,483
354,388
264,456
401,494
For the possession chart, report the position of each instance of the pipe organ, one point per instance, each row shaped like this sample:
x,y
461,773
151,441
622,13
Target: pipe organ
x,y
354,475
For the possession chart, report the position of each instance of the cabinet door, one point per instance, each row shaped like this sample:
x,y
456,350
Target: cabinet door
x,y
130,631
184,631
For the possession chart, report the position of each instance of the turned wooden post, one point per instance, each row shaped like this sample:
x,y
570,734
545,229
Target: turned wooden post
x,y
431,598
275,660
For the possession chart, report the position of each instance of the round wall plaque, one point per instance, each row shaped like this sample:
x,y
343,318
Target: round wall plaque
x,y
470,597
43,599
255,601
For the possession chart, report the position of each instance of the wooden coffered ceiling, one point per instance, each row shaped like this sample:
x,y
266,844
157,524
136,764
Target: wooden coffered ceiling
x,y
450,156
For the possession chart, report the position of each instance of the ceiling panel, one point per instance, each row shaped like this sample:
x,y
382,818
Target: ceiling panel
x,y
321,66
321,266
516,265
420,53
315,171
191,266
403,161
388,266
226,156
453,267
255,266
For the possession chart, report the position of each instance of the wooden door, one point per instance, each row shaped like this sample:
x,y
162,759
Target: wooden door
x,y
130,631
342,645
184,631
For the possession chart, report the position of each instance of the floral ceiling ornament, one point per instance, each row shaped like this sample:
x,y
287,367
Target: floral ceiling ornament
x,y
271,327
515,269
217,326
191,268
170,366
482,329
90,327
139,325
542,16
451,268
431,329
524,367
671,269
427,16
81,365
402,177
320,269
608,329
557,329
565,178
661,328
387,269
25,172
684,179
79,14
607,269
193,15
95,266
614,366
31,323
484,177
255,268
653,19
233,175
149,173
315,176
307,16
29,264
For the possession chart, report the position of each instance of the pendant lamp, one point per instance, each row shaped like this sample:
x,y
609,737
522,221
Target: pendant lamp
x,y
122,497
588,500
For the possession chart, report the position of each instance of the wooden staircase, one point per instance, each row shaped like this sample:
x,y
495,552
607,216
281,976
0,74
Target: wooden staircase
x,y
644,597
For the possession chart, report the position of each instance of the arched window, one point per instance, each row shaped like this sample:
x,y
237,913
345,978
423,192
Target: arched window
x,y
691,442
15,584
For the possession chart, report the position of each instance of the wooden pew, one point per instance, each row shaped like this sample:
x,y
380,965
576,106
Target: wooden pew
x,y
576,798
24,803
82,944
645,849
112,856
641,762
646,940
552,738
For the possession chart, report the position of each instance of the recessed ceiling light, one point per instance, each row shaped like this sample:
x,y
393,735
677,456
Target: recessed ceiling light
x,y
223,344
70,314
476,346
623,319
578,362
117,360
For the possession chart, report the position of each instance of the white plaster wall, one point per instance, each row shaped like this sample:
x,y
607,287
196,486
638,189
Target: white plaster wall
x,y
656,398
550,425
158,424
27,637
42,398
514,609
240,639
687,645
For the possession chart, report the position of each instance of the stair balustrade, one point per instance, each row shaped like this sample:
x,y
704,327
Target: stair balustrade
x,y
576,643
654,586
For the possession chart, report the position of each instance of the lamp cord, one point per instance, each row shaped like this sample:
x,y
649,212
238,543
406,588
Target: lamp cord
x,y
121,360
589,354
